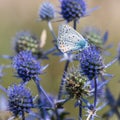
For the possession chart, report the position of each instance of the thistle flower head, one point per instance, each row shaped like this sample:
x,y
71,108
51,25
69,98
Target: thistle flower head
x,y
73,9
91,62
27,66
46,11
94,36
75,83
19,99
26,41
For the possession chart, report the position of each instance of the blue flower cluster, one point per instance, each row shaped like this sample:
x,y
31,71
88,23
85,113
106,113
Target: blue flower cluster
x,y
20,99
46,11
86,83
91,62
27,66
73,9
26,41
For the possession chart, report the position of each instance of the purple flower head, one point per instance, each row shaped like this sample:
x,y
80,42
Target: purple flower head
x,y
73,9
91,62
19,99
27,66
94,36
25,40
46,11
75,83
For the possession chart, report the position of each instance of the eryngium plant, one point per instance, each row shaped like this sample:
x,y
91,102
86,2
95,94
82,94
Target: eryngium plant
x,y
85,84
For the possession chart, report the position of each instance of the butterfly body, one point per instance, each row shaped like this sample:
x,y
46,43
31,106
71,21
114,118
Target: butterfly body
x,y
70,40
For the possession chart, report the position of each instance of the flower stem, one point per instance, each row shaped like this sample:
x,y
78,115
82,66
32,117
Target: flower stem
x,y
53,33
80,105
95,92
23,115
50,51
51,30
80,110
57,115
75,24
63,81
40,89
3,89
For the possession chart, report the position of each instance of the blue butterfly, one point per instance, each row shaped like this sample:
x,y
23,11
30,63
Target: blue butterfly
x,y
70,40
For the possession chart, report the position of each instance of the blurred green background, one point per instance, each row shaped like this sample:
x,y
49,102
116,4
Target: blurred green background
x,y
23,15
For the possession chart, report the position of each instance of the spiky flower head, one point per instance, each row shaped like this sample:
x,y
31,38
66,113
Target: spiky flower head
x,y
26,41
93,35
91,62
19,99
73,9
75,83
46,11
27,66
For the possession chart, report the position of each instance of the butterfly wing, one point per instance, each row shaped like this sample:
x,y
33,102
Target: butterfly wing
x,y
70,40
